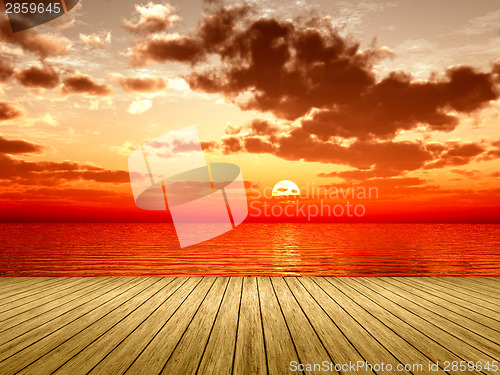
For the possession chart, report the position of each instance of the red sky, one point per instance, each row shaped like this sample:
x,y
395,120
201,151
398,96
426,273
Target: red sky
x,y
397,97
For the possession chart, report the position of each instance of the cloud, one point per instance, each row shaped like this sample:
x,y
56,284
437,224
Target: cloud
x,y
456,154
208,145
42,45
493,153
50,173
152,18
37,77
211,33
6,71
9,111
371,158
160,48
368,158
58,194
307,71
96,41
139,106
78,83
465,173
142,84
18,147
481,24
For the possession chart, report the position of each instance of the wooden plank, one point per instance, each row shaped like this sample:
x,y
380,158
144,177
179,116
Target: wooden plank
x,y
333,338
15,283
455,326
309,347
280,349
490,280
118,360
401,350
187,354
333,301
250,352
428,325
481,282
25,332
9,283
477,323
216,361
420,342
471,287
33,289
83,351
155,355
466,292
243,325
89,314
46,299
31,318
451,296
10,280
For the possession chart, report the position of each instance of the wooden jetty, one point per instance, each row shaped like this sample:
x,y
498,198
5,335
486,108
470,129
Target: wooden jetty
x,y
249,325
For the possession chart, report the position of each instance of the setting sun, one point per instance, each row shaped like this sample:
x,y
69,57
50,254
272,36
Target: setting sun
x,y
285,188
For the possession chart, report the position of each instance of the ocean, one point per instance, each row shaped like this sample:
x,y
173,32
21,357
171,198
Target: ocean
x,y
280,249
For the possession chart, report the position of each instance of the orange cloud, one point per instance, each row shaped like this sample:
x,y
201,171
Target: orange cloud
x,y
457,154
31,41
152,18
211,34
294,70
9,111
18,147
142,85
6,70
307,72
95,41
54,173
163,48
83,84
38,77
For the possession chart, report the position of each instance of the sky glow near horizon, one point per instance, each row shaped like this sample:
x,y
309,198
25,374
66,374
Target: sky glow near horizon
x,y
402,96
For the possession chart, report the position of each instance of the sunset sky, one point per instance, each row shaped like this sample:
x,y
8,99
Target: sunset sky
x,y
403,96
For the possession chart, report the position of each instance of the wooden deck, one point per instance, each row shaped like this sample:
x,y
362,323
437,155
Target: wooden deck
x,y
207,325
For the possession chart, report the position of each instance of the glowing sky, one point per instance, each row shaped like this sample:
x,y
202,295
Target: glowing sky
x,y
401,95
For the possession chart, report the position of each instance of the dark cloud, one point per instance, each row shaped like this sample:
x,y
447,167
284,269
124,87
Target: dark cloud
x,y
50,173
370,158
398,103
163,48
44,195
493,153
18,147
457,154
308,73
31,41
9,111
142,85
211,33
38,77
293,70
83,84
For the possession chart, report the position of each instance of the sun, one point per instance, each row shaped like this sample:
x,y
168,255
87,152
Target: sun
x,y
285,188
